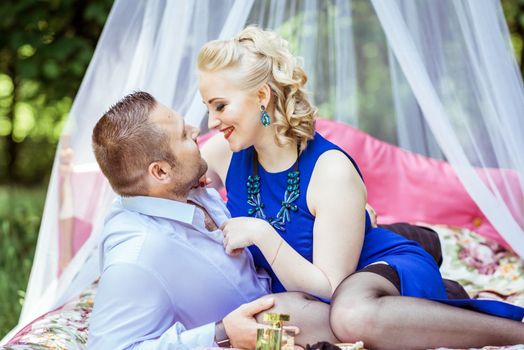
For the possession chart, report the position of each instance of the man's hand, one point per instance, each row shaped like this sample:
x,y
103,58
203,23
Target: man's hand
x,y
241,326
372,215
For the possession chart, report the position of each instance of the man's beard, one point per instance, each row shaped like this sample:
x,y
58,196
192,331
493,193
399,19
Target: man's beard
x,y
182,188
202,171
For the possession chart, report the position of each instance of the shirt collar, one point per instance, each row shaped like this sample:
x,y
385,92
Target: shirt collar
x,y
160,207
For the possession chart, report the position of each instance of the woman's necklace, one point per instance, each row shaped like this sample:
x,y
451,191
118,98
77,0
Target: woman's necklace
x,y
291,195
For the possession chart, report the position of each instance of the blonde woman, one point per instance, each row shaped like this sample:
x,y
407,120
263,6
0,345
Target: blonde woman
x,y
298,203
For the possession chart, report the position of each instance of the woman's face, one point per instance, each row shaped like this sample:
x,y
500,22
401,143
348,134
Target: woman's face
x,y
232,111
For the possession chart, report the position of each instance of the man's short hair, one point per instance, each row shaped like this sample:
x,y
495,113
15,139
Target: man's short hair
x,y
126,142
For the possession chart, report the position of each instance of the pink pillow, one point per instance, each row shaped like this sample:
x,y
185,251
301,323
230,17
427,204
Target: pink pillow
x,y
404,186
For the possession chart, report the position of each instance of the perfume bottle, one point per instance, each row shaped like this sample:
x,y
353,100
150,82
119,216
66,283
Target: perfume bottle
x,y
275,337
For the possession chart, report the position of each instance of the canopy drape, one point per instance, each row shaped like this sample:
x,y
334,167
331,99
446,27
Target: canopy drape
x,y
435,77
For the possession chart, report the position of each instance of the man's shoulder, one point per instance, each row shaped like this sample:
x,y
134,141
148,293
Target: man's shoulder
x,y
125,223
124,235
119,215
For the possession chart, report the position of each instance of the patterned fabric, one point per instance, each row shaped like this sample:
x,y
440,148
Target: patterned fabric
x,y
62,329
484,268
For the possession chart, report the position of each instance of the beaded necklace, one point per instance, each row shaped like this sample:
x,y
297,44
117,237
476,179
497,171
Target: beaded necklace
x,y
287,206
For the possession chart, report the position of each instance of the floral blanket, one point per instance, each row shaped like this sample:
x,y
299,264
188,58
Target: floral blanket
x,y
485,269
65,328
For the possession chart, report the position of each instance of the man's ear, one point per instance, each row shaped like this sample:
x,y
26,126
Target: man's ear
x,y
160,171
264,95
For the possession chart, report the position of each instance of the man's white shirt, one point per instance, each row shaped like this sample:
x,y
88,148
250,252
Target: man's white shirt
x,y
165,279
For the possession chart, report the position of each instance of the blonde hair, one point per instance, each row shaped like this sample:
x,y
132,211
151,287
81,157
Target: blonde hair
x,y
263,57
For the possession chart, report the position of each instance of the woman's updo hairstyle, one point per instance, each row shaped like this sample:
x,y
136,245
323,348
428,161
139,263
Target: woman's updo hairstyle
x,y
263,57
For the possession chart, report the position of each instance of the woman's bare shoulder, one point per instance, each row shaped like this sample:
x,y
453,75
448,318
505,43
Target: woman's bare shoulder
x,y
333,175
335,165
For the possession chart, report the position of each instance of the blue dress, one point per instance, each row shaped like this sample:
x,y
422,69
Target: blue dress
x,y
417,270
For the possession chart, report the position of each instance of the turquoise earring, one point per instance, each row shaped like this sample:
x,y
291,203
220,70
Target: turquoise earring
x,y
264,117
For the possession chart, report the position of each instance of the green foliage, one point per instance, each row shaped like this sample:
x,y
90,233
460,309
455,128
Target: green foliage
x,y
374,100
20,212
45,48
514,14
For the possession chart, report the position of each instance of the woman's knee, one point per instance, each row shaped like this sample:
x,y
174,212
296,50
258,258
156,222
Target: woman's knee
x,y
356,306
353,319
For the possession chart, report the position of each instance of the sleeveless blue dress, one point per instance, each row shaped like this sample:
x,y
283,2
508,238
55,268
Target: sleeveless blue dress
x,y
417,270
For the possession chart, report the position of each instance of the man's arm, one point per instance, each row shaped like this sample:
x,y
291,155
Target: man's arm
x,y
133,311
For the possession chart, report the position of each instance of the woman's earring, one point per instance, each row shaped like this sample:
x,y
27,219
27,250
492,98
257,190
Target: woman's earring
x,y
264,117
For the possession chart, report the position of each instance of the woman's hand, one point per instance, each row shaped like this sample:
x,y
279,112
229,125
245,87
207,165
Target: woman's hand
x,y
242,232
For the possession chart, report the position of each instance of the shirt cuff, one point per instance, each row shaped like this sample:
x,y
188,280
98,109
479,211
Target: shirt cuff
x,y
203,336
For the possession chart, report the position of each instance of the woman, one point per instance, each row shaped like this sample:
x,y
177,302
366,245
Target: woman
x,y
298,203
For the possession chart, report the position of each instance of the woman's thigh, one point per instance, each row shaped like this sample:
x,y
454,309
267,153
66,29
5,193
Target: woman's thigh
x,y
364,285
361,287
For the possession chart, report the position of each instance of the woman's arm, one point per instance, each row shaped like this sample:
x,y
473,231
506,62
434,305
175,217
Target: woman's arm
x,y
337,198
217,154
294,271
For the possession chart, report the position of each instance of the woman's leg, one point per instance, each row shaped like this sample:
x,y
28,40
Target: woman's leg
x,y
368,307
309,314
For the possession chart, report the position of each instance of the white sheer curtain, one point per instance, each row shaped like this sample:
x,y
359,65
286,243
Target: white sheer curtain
x,y
145,45
320,32
437,77
460,67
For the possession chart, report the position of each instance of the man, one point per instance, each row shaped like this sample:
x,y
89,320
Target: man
x,y
166,281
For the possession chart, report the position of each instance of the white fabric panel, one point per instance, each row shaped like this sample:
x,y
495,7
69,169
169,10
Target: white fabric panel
x,y
438,109
236,20
343,64
142,45
456,93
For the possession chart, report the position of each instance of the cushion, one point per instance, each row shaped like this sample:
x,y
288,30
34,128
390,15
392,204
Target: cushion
x,y
398,183
62,328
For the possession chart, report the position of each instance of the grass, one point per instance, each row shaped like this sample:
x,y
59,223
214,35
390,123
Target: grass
x,y
20,214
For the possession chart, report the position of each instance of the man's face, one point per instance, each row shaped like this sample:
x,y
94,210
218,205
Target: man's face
x,y
190,166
